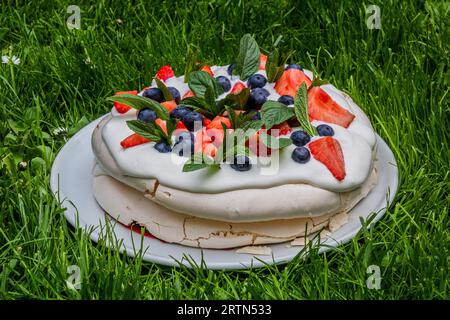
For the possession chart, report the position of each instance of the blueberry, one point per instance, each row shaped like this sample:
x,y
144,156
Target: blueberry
x,y
184,147
294,66
175,94
179,112
256,81
257,97
154,93
287,100
224,82
190,118
301,155
241,163
162,147
300,138
185,136
147,115
325,130
256,116
231,68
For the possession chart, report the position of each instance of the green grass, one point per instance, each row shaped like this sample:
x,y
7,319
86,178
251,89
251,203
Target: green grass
x,y
399,75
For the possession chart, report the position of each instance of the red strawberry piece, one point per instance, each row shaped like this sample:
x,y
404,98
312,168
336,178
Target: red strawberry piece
x,y
162,124
120,107
188,94
165,73
133,140
290,81
322,107
215,136
328,151
217,123
181,126
238,87
207,69
169,105
256,145
262,61
280,129
206,121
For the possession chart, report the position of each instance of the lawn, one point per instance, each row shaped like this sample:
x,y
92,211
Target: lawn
x,y
398,74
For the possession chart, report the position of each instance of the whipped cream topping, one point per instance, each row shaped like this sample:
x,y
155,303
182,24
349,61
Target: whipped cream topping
x,y
143,161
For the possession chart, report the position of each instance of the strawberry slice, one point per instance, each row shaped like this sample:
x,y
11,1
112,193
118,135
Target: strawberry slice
x,y
282,129
206,121
162,124
238,87
207,69
262,61
328,151
181,126
209,149
290,81
217,123
215,136
322,107
133,140
165,73
257,147
169,105
120,107
188,94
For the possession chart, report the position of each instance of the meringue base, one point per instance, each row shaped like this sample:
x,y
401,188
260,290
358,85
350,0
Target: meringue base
x,y
130,206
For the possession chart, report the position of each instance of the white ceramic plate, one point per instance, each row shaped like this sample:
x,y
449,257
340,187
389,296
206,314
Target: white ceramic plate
x,y
71,181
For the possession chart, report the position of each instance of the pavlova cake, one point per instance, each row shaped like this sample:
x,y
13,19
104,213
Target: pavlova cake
x,y
252,153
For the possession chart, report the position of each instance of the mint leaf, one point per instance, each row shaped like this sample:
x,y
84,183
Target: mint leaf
x,y
233,117
210,99
171,125
197,162
252,125
317,82
138,102
165,91
301,110
275,64
248,60
274,143
199,81
198,104
146,130
236,100
273,113
192,63
194,166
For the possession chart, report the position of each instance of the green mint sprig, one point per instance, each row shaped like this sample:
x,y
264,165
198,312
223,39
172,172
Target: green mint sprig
x,y
275,64
192,63
273,113
152,131
247,62
301,110
165,91
138,102
200,81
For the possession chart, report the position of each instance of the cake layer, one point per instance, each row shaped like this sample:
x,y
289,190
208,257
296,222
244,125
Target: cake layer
x,y
129,206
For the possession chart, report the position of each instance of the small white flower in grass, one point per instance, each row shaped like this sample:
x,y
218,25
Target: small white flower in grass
x,y
8,59
60,130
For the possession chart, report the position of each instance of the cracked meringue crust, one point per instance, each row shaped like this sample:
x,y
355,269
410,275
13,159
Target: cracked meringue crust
x,y
130,206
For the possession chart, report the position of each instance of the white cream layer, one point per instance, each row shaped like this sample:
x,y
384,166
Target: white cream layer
x,y
143,161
